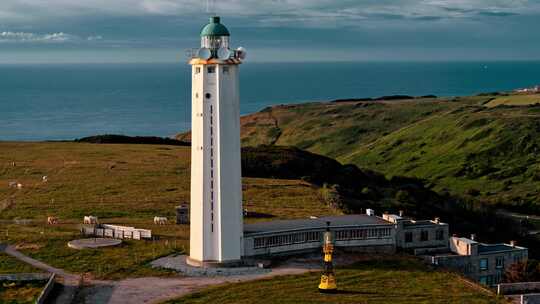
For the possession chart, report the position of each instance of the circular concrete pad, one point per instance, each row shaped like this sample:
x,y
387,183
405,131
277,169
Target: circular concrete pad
x,y
179,264
93,243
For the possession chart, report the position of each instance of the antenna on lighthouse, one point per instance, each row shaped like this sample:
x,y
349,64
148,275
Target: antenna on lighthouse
x,y
210,4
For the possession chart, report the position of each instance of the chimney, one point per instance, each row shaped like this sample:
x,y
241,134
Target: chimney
x,y
437,220
401,213
513,243
473,237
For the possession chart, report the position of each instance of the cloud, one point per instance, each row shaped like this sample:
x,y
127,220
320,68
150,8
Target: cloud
x,y
497,14
270,11
94,38
25,37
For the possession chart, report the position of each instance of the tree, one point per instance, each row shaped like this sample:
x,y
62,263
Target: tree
x,y
528,271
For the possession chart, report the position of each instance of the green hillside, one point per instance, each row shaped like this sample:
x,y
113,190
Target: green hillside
x,y
461,145
515,100
491,152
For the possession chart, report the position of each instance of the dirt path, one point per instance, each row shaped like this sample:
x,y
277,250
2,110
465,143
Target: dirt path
x,y
143,290
157,290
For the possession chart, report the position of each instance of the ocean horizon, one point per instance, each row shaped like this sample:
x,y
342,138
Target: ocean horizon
x,y
67,101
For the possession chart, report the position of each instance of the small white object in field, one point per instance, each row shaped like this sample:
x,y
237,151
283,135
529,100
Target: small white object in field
x,y
92,220
159,220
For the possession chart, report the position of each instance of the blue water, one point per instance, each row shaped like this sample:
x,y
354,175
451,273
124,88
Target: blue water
x,y
56,102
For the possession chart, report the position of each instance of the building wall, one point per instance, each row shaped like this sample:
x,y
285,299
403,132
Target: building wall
x,y
199,211
463,247
416,231
367,238
216,191
229,201
469,265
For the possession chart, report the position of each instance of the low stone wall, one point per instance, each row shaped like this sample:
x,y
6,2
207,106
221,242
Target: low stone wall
x,y
25,277
517,288
530,298
43,296
32,277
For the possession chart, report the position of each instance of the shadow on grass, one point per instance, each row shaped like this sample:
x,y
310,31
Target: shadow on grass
x,y
352,292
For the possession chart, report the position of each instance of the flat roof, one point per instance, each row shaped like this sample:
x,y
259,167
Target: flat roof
x,y
318,223
489,248
414,223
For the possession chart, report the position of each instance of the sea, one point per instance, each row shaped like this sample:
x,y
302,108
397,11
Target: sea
x,y
65,102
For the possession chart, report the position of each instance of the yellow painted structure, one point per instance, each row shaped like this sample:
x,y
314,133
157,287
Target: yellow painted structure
x,y
328,277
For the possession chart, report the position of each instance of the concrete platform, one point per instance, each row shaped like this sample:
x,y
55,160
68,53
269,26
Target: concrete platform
x,y
213,264
93,243
179,263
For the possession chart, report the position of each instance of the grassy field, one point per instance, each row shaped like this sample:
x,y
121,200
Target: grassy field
x,y
121,184
20,293
393,280
515,100
458,144
9,265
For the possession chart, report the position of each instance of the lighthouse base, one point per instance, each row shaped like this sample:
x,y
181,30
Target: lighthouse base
x,y
213,264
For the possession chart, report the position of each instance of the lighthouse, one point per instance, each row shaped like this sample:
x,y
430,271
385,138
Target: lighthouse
x,y
216,220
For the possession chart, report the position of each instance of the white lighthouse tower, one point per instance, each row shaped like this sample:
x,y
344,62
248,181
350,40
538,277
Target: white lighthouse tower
x,y
216,185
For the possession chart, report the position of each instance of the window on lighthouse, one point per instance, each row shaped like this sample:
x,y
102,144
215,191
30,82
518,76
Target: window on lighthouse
x,y
211,69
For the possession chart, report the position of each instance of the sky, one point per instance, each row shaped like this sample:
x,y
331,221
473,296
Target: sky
x,y
121,31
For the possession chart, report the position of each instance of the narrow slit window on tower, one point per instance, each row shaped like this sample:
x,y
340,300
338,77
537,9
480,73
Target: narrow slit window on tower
x,y
197,70
225,70
211,69
208,95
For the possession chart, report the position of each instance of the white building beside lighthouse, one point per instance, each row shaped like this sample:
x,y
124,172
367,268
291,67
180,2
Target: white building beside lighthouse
x,y
216,235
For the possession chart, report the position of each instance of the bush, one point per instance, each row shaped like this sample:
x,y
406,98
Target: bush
x,y
523,272
473,192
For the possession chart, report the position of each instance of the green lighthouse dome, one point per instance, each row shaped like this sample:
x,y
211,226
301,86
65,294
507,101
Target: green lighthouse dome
x,y
214,28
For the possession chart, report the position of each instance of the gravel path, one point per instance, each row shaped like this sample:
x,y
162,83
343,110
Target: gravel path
x,y
142,290
156,290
